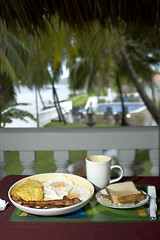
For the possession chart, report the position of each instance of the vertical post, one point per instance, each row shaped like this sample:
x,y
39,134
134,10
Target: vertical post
x,y
36,95
153,154
3,159
156,80
28,160
126,159
61,159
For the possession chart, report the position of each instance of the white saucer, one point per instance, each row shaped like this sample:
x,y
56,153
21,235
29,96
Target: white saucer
x,y
106,202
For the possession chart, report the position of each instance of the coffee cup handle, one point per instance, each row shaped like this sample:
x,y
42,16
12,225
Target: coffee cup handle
x,y
121,174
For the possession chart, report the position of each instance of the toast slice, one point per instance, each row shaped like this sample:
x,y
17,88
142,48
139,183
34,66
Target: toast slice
x,y
125,192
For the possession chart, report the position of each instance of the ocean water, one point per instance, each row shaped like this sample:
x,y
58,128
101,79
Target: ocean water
x,y
25,95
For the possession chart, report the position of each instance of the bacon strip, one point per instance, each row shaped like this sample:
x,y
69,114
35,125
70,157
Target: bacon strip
x,y
65,202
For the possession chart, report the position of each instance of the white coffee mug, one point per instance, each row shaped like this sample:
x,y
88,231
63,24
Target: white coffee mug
x,y
98,171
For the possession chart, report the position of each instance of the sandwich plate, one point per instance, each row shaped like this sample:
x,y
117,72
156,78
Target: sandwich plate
x,y
102,198
77,180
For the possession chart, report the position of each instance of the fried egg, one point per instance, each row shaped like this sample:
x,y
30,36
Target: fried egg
x,y
79,192
57,187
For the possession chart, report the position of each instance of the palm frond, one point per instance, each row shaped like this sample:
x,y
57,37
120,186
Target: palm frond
x,y
30,15
16,61
6,67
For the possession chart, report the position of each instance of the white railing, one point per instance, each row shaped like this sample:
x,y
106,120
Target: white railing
x,y
94,140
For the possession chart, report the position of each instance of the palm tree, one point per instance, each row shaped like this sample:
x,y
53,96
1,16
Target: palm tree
x,y
90,67
139,86
115,57
12,69
7,94
46,56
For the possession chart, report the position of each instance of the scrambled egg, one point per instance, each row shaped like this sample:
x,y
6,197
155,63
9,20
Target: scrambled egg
x,y
30,190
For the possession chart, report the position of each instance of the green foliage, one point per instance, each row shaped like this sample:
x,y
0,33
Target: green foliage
x,y
45,162
13,55
6,66
7,92
61,124
13,113
79,73
94,58
17,56
79,99
101,100
76,156
142,163
13,165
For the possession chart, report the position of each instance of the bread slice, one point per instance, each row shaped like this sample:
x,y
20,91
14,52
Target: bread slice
x,y
125,192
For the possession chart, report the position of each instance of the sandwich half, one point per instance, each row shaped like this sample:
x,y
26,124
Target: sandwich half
x,y
125,192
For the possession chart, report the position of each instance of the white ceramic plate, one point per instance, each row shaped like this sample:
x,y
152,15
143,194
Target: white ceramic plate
x,y
77,180
107,203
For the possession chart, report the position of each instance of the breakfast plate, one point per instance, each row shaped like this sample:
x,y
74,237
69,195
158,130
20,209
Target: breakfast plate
x,y
102,198
77,181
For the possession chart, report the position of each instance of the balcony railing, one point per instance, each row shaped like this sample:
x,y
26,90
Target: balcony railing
x,y
94,140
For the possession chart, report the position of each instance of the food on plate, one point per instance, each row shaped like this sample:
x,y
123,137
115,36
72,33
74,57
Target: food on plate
x,y
57,192
65,202
30,190
125,192
61,186
57,188
79,192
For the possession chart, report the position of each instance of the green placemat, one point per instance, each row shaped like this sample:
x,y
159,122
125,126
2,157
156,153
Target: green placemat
x,y
92,212
20,216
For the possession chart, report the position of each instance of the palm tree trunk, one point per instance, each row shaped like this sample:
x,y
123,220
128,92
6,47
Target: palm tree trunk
x,y
56,101
57,105
123,120
40,96
0,119
140,89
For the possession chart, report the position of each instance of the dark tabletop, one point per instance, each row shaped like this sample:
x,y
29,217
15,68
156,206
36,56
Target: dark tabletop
x,y
68,230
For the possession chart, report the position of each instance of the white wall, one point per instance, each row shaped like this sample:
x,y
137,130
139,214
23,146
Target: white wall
x,y
49,114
